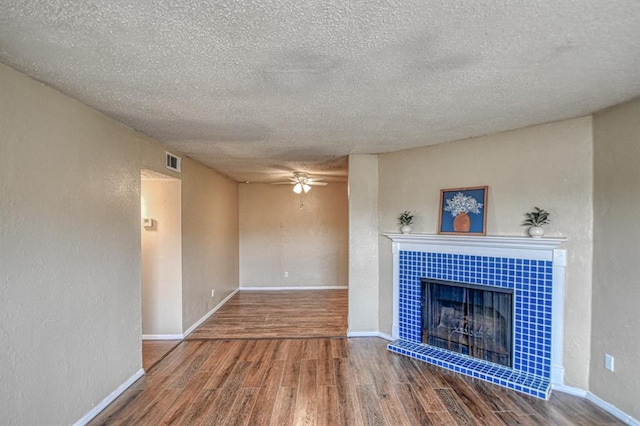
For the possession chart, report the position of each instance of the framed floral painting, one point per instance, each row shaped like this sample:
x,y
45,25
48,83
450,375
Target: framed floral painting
x,y
463,211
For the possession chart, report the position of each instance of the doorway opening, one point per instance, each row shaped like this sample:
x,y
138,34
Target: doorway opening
x,y
161,238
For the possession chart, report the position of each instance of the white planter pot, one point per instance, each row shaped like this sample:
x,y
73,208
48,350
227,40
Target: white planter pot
x,y
406,229
536,231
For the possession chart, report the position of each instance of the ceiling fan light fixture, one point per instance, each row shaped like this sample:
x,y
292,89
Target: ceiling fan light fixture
x,y
301,186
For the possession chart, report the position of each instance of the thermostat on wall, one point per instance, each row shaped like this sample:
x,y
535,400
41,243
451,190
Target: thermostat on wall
x,y
147,222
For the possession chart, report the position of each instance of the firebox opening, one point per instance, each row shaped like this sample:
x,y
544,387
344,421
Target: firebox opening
x,y
468,319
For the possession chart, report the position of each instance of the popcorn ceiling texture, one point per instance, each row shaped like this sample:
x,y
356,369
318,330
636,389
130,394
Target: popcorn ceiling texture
x,y
256,89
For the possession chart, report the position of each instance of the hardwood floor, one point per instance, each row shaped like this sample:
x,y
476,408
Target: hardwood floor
x,y
326,381
212,380
281,314
154,350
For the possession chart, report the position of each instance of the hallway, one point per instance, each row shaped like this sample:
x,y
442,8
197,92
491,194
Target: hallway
x,y
278,314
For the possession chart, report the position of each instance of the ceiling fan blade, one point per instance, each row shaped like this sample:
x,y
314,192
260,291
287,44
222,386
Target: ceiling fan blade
x,y
303,179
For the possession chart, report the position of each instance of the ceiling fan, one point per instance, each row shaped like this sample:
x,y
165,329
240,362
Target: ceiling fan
x,y
302,182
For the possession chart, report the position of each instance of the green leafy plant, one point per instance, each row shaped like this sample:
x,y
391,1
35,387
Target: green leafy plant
x,y
406,218
538,217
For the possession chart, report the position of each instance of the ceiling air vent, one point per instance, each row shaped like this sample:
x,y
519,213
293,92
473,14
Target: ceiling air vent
x,y
173,162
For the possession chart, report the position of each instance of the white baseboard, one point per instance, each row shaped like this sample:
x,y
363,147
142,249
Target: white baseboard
x,y
334,287
612,410
370,334
362,334
386,336
597,401
162,337
109,399
569,390
211,312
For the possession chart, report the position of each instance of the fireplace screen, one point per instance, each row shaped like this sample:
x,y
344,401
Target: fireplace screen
x,y
468,319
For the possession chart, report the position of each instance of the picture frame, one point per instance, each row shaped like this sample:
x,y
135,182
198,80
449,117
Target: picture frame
x,y
463,211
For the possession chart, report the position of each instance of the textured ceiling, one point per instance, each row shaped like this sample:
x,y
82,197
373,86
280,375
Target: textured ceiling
x,y
259,88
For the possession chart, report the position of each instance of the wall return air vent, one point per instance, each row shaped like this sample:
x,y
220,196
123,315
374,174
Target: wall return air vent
x,y
173,162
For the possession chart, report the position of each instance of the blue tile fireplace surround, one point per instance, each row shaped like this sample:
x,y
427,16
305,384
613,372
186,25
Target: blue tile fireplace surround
x,y
532,268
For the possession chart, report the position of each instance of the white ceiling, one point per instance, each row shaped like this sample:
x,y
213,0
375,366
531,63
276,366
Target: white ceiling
x,y
259,88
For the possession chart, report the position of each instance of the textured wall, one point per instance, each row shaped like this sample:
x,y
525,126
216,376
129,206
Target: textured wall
x,y
549,166
363,243
209,239
69,254
70,250
277,236
616,293
162,257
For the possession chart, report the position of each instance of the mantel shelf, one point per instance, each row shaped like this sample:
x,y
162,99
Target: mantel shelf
x,y
499,242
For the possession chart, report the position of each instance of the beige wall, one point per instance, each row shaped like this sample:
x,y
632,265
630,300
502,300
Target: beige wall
x,y
548,166
209,240
162,257
70,250
363,244
616,289
277,236
69,254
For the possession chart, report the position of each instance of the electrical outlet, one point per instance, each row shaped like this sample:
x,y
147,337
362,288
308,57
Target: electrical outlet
x,y
286,274
608,362
213,292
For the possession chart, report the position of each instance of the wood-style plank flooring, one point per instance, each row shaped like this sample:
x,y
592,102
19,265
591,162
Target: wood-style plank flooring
x,y
326,381
321,381
281,314
154,350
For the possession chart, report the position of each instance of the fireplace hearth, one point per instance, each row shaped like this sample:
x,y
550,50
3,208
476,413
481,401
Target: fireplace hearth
x,y
496,310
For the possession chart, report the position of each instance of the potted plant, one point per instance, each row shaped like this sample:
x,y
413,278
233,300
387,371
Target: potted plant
x,y
535,219
405,220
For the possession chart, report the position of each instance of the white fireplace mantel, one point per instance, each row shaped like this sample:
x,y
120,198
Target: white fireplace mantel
x,y
545,249
522,247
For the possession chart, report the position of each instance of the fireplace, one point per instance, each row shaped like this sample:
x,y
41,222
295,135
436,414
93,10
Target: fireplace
x,y
468,319
496,314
